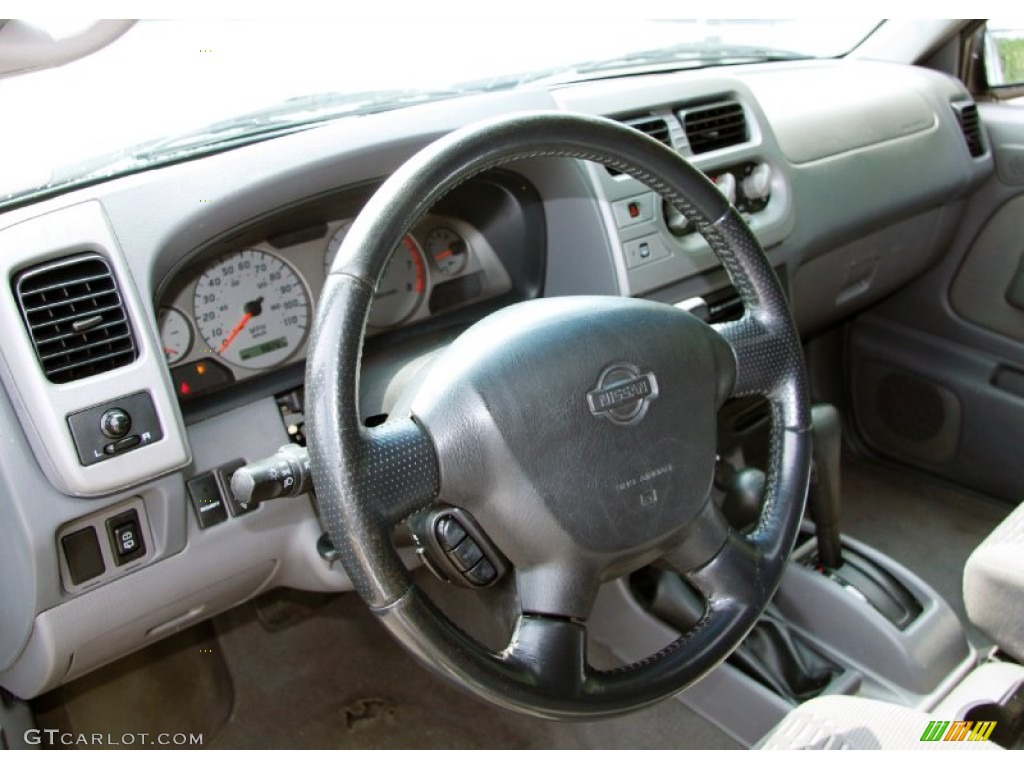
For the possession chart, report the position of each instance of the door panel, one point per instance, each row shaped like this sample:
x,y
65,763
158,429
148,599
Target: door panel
x,y
936,372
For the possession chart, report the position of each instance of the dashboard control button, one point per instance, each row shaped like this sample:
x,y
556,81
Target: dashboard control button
x,y
115,423
644,250
634,210
726,184
124,444
126,537
207,500
757,185
91,428
83,555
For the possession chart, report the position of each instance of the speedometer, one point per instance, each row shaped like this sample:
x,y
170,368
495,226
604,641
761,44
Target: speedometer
x,y
252,309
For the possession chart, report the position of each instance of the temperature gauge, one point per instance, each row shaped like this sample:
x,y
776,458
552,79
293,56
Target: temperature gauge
x,y
448,250
175,334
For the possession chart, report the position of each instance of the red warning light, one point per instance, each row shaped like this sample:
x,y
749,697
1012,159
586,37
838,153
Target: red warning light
x,y
184,389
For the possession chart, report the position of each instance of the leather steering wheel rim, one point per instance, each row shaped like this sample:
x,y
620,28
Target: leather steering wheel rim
x,y
367,480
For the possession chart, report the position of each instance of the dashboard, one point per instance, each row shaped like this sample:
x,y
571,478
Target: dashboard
x,y
850,173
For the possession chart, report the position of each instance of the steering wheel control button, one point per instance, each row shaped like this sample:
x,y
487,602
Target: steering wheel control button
x,y
449,533
454,548
207,500
466,555
115,427
622,394
125,535
483,573
83,555
115,423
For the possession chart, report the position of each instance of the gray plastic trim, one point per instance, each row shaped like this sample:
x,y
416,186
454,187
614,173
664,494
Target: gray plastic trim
x,y
830,620
44,406
98,521
989,683
914,661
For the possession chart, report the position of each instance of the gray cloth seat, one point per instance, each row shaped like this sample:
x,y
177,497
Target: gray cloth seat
x,y
994,585
848,722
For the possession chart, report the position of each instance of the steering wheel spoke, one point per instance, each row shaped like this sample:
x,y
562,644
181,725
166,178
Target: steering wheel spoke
x,y
399,467
552,652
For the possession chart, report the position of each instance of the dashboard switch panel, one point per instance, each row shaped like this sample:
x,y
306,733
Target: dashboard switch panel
x,y
113,428
207,500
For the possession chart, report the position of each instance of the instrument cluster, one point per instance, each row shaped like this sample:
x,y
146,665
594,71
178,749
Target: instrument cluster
x,y
248,311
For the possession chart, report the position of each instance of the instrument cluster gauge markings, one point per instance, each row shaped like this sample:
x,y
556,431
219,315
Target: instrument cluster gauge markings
x,y
252,309
175,334
448,250
402,286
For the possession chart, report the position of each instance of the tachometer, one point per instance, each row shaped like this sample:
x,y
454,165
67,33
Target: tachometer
x,y
401,287
252,309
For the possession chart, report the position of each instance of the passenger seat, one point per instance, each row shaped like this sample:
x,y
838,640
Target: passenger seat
x,y
994,585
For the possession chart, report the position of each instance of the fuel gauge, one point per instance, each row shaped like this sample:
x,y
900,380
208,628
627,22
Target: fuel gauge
x,y
175,334
448,250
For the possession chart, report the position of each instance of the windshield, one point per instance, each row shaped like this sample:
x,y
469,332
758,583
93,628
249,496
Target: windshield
x,y
168,90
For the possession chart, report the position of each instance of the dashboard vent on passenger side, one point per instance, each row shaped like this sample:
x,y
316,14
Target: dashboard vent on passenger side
x,y
714,126
74,314
970,124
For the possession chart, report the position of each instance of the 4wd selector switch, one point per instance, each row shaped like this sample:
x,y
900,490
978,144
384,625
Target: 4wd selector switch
x,y
115,423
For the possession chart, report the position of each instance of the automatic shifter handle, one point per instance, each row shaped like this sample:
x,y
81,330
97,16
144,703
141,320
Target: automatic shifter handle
x,y
823,497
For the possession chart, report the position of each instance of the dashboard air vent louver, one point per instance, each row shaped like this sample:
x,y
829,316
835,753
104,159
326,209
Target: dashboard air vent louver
x,y
970,125
715,126
655,127
74,314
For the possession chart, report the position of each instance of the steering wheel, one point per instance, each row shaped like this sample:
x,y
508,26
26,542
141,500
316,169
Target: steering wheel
x,y
578,434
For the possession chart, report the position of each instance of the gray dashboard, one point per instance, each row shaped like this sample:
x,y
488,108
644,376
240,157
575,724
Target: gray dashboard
x,y
866,170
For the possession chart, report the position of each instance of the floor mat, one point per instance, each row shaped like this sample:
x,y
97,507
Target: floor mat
x,y
927,527
336,679
177,686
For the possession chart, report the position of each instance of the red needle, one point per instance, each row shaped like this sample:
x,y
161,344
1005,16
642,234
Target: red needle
x,y
443,254
235,331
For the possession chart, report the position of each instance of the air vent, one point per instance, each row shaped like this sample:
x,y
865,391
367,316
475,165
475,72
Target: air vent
x,y
970,125
74,314
655,127
715,126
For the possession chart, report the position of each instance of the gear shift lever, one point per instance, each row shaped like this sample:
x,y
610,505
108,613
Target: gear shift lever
x,y
823,497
